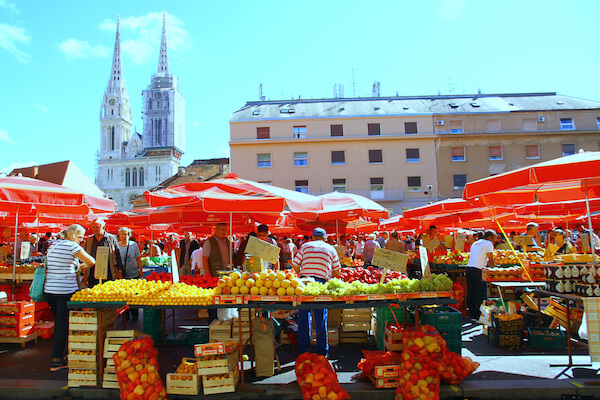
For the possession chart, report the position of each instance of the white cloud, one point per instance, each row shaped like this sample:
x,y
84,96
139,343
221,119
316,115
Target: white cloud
x,y
42,107
75,49
5,137
14,166
11,6
10,37
140,36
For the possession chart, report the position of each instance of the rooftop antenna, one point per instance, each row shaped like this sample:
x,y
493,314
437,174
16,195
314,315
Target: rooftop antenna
x,y
353,81
260,93
376,92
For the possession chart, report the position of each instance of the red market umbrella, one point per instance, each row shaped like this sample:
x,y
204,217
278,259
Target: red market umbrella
x,y
441,207
348,206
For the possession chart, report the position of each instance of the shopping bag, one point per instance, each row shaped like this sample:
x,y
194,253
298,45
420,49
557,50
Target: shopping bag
x,y
36,290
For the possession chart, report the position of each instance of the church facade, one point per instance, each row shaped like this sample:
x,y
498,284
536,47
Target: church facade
x,y
130,163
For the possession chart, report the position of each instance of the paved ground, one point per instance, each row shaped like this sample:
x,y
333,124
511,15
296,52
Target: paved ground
x,y
503,374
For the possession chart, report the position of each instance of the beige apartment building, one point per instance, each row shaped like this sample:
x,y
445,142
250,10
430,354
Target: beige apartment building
x,y
404,151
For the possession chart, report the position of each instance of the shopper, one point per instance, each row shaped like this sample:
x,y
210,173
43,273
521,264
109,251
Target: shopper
x,y
215,256
319,260
101,238
564,246
394,244
532,230
262,232
482,254
197,266
370,246
359,248
131,259
187,245
61,282
170,244
383,237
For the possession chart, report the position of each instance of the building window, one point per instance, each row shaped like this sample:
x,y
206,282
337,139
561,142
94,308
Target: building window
x,y
568,149
263,160
567,124
337,130
339,185
412,156
112,137
270,183
458,154
157,173
374,129
456,127
112,176
134,177
338,157
598,122
141,176
530,124
301,159
460,181
414,183
375,156
495,153
108,174
263,133
410,128
532,151
377,188
127,177
299,132
492,125
301,186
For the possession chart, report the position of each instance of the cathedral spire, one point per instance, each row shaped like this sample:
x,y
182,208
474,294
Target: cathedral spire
x,y
163,58
116,83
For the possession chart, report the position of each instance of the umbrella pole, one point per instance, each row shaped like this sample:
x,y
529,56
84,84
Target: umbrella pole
x,y
15,253
231,236
587,206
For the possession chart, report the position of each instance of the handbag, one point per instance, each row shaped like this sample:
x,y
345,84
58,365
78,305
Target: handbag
x,y
36,290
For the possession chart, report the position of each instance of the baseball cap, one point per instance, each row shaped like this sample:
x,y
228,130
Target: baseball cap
x,y
319,232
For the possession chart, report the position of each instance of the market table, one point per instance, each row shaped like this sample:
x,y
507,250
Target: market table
x,y
429,300
569,298
503,285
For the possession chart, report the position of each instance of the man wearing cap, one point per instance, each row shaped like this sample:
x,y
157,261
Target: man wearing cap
x,y
318,260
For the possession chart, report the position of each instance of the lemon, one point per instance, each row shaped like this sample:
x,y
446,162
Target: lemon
x,y
259,283
268,284
264,291
290,291
240,282
281,292
235,290
277,284
254,290
244,290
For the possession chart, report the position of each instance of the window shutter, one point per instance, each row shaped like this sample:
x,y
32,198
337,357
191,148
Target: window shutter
x,y
263,133
375,156
374,129
495,152
532,151
338,157
337,130
458,152
410,127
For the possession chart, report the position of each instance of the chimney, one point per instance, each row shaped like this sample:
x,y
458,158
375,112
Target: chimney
x,y
221,168
181,171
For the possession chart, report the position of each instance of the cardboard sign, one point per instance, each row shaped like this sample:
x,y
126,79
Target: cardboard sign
x,y
433,244
459,241
425,270
390,260
552,248
585,242
425,239
25,250
523,240
174,269
101,269
341,251
262,249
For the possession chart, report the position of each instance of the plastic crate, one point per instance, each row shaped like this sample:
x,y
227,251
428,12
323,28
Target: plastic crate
x,y
177,338
546,338
445,319
152,325
197,336
510,327
500,340
453,342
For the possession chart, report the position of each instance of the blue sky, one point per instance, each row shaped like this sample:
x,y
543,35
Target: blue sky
x,y
55,59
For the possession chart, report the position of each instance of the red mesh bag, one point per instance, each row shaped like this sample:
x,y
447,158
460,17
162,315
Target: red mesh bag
x,y
377,358
317,379
136,365
456,368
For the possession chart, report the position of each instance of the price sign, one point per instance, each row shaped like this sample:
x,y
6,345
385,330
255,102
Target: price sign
x,y
262,249
25,250
552,248
459,241
174,268
433,244
523,240
341,251
426,271
101,269
390,260
585,242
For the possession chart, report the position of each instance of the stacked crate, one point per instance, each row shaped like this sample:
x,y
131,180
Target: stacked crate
x,y
17,319
356,324
448,322
112,343
85,334
185,380
244,319
506,331
383,316
386,376
218,365
219,331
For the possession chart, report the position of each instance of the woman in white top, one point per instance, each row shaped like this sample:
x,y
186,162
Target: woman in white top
x,y
132,263
359,248
61,282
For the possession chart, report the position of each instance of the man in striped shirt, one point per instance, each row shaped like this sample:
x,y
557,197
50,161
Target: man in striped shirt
x,y
318,260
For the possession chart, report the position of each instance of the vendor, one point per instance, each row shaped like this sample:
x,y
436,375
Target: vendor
x,y
481,255
532,230
564,246
319,260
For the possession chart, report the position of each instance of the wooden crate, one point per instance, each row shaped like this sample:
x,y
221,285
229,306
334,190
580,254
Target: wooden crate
x,y
281,314
76,379
356,326
88,320
354,337
177,386
202,314
219,330
224,364
333,337
227,385
114,339
393,340
129,334
78,342
208,349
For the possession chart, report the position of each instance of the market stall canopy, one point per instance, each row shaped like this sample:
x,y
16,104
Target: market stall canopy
x,y
441,207
233,194
562,179
348,206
